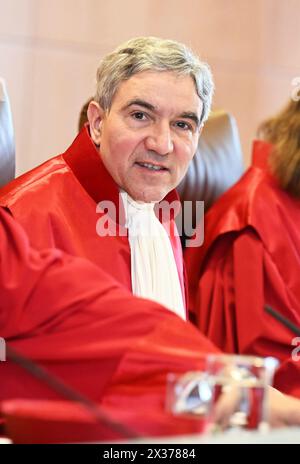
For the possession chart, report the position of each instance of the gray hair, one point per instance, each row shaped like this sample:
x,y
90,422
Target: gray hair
x,y
152,54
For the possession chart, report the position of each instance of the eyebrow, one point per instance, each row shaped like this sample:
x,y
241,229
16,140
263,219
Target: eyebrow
x,y
144,104
139,102
192,116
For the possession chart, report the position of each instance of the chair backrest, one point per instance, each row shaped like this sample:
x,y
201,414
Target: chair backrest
x,y
217,165
7,142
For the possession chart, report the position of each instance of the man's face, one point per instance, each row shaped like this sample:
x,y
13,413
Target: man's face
x,y
150,134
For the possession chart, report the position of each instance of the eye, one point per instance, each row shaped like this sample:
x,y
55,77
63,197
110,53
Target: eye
x,y
139,115
184,125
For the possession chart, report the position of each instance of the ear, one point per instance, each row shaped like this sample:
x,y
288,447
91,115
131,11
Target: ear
x,y
95,116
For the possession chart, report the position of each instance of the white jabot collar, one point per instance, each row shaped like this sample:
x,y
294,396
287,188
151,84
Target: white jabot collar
x,y
154,272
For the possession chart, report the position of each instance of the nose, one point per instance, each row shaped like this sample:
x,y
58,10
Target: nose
x,y
160,140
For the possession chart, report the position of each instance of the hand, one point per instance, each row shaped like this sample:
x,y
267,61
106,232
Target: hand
x,y
284,410
226,405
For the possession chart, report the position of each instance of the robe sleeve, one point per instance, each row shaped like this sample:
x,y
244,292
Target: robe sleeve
x,y
238,279
80,324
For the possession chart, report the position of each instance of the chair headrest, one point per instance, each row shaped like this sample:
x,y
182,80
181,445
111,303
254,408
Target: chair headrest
x,y
218,162
7,142
216,166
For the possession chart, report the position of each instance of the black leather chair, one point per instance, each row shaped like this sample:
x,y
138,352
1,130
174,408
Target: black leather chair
x,y
218,162
7,143
217,165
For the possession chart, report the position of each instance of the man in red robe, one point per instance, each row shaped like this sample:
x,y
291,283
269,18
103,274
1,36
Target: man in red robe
x,y
143,131
250,258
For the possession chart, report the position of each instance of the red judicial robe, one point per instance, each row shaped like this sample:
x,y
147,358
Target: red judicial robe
x,y
83,326
250,257
56,204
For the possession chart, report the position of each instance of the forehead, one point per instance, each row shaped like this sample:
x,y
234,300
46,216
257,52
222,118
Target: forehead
x,y
161,89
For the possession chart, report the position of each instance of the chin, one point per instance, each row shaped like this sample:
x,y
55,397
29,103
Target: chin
x,y
147,197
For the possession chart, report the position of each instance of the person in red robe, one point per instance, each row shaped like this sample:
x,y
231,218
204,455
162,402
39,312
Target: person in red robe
x,y
112,347
120,359
251,258
143,131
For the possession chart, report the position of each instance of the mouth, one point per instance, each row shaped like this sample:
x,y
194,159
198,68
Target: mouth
x,y
152,166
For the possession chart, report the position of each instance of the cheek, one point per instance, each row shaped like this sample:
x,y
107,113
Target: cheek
x,y
121,155
184,157
122,142
186,154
